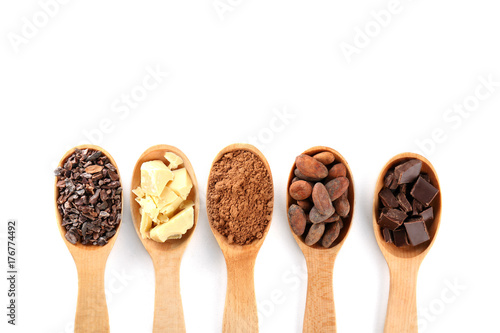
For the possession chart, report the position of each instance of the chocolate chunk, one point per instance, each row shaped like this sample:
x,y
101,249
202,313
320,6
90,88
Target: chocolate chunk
x,y
400,237
428,214
416,230
425,177
424,192
389,178
417,207
388,199
403,189
404,203
392,218
408,172
387,233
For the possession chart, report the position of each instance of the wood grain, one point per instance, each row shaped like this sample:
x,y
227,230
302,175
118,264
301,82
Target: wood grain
x,y
240,311
169,314
91,310
320,307
404,262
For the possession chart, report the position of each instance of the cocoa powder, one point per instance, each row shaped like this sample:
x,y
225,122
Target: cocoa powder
x,y
240,197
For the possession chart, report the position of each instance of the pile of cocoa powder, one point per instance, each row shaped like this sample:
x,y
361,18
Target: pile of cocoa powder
x,y
240,197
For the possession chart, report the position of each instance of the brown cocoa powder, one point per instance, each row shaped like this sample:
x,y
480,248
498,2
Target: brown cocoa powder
x,y
240,197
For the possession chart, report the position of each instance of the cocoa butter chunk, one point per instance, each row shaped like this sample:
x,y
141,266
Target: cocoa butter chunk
x,y
297,219
315,233
427,214
408,172
337,187
321,199
404,203
391,218
424,192
400,237
388,237
332,232
416,230
387,198
310,167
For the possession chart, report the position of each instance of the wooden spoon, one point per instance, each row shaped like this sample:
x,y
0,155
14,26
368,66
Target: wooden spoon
x,y
404,262
168,316
320,308
91,310
240,311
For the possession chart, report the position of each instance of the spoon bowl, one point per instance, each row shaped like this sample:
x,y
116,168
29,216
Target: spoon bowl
x,y
320,307
167,256
240,312
404,262
91,311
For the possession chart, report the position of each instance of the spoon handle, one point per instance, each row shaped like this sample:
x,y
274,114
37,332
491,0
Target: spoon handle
x,y
402,306
320,307
240,312
91,309
168,315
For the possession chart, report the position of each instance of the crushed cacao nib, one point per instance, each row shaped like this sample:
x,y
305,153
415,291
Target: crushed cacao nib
x,y
90,197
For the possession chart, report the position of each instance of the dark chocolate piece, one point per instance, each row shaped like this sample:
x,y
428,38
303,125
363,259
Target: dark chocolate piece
x,y
400,237
408,172
416,230
424,192
394,184
417,207
392,219
427,214
425,177
404,203
388,179
403,189
388,199
387,235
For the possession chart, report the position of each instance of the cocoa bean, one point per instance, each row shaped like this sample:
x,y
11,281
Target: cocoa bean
x,y
316,217
325,157
336,187
306,205
300,190
321,200
331,233
311,167
342,206
297,219
315,233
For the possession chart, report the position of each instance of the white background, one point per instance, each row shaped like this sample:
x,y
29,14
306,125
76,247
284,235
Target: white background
x,y
229,76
